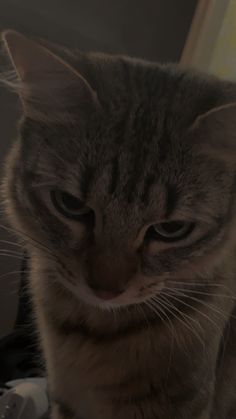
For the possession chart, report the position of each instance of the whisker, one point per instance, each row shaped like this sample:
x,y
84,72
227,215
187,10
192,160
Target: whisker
x,y
15,280
163,297
198,284
11,252
207,305
13,273
11,243
170,326
210,294
147,303
193,308
41,246
11,256
157,310
185,320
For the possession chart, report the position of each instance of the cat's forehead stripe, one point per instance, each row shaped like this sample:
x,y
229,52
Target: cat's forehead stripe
x,y
148,183
86,179
172,196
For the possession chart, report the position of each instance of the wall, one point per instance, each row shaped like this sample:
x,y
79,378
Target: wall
x,y
223,59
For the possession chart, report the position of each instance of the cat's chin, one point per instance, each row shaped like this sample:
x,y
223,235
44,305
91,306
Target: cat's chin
x,y
106,300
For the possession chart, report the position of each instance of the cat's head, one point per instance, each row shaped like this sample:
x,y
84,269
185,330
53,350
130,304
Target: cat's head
x,y
123,178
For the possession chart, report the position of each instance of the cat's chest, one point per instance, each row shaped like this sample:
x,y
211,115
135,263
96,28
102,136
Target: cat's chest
x,y
108,361
87,372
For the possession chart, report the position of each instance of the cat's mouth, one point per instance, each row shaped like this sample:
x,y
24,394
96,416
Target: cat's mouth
x,y
107,295
113,294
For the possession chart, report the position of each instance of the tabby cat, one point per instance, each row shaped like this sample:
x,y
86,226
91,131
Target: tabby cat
x,y
122,185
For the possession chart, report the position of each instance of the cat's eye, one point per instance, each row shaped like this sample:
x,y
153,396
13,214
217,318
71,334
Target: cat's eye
x,y
172,231
70,206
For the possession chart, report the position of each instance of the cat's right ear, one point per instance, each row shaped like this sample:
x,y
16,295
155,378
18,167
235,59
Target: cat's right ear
x,y
214,132
48,87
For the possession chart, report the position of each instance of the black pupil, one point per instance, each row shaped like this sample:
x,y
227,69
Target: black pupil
x,y
70,202
173,227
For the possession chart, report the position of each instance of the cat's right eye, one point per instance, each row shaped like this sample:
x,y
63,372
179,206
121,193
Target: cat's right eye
x,y
70,206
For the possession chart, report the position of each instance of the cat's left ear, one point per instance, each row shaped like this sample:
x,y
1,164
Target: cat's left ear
x,y
215,131
48,87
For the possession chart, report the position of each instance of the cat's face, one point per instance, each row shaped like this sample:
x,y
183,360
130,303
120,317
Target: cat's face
x,y
123,195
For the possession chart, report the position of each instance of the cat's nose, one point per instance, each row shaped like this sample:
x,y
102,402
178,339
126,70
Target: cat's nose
x,y
109,272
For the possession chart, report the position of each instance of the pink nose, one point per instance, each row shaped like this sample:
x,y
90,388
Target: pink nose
x,y
107,295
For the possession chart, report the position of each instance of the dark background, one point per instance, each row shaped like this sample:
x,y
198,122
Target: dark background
x,y
152,29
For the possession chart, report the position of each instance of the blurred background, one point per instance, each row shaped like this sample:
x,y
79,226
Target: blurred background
x,y
194,33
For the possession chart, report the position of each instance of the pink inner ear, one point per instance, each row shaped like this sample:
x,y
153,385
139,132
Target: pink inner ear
x,y
31,60
25,54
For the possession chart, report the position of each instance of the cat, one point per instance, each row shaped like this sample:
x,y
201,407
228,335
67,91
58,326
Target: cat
x,y
122,187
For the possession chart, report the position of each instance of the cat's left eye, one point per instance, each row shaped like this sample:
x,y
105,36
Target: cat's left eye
x,y
171,231
69,205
